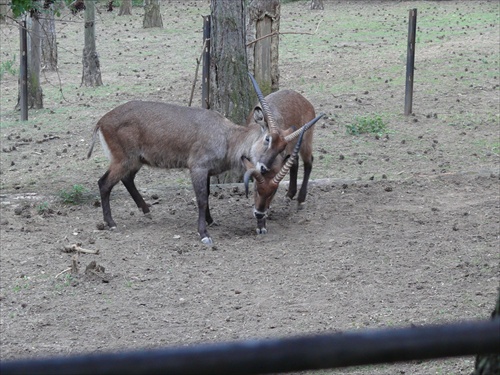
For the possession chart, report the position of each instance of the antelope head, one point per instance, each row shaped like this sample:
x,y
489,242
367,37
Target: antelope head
x,y
267,184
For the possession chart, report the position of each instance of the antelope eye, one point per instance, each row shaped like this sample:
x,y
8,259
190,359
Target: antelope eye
x,y
267,139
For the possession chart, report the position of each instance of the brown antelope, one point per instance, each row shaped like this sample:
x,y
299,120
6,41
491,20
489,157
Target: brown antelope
x,y
171,136
288,108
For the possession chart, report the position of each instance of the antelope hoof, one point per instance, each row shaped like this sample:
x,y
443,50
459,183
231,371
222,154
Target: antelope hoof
x,y
112,228
261,230
301,205
207,241
148,215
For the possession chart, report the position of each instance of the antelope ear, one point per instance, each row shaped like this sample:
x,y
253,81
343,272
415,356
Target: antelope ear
x,y
258,117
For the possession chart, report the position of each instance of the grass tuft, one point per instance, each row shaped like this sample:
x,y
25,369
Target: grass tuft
x,y
367,124
78,194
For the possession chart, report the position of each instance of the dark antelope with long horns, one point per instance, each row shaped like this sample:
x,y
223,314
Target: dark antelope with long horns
x,y
171,136
287,108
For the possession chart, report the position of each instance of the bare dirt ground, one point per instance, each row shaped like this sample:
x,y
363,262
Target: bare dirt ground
x,y
400,228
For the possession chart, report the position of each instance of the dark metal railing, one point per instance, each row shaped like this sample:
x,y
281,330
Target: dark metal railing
x,y
281,355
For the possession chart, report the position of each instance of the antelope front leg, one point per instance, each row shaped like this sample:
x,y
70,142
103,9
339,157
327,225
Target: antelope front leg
x,y
199,179
303,189
261,222
292,186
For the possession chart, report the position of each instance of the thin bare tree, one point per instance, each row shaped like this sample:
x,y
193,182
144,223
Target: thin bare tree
x,y
35,94
48,39
91,69
263,22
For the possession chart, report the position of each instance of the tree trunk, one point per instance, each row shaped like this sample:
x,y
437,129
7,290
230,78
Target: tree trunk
x,y
35,95
91,69
229,83
49,45
262,48
5,11
125,8
317,4
152,15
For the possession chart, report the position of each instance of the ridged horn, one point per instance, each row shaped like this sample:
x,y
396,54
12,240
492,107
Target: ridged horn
x,y
284,170
256,175
296,133
265,107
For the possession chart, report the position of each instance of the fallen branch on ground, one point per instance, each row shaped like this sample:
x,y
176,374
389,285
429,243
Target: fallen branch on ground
x,y
75,247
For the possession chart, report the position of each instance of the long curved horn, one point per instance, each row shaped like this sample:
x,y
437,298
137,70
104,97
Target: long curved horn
x,y
265,107
296,133
259,179
284,170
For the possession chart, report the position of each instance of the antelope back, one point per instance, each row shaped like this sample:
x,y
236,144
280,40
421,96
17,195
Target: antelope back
x,y
171,136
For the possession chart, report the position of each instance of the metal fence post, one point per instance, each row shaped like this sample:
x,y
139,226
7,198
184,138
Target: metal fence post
x,y
23,70
205,73
410,61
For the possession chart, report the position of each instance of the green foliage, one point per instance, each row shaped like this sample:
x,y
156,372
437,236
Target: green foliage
x,y
22,6
64,282
78,194
366,124
43,208
8,66
22,285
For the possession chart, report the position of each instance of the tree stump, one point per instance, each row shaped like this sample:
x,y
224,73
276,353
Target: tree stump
x,y
317,4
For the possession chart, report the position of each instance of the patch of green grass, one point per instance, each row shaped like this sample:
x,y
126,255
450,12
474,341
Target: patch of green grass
x,y
487,146
77,194
43,208
24,285
64,281
129,284
9,67
367,124
182,181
